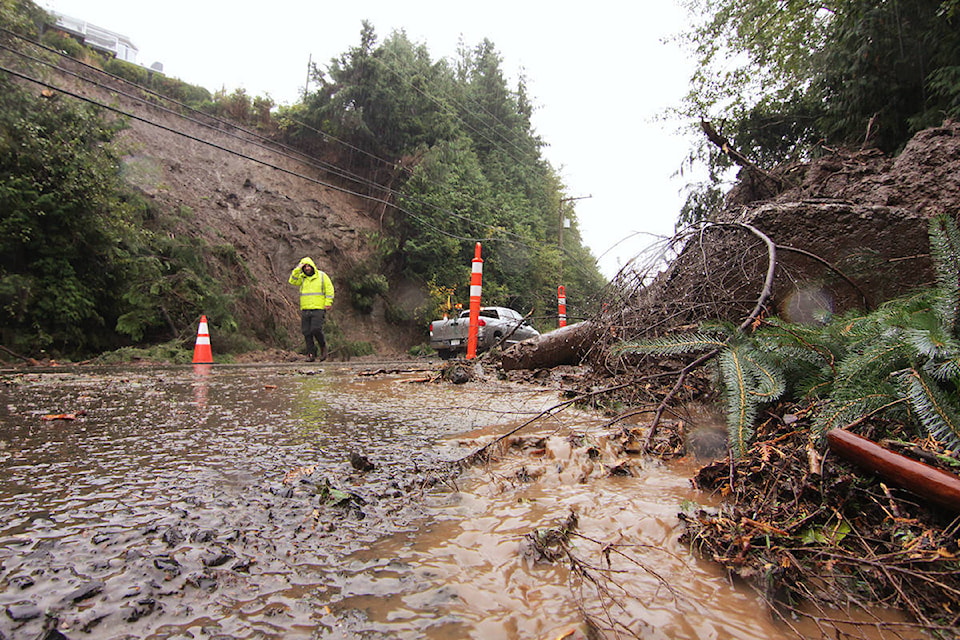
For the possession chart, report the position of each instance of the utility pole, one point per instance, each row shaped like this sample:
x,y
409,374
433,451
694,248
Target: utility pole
x,y
562,219
306,85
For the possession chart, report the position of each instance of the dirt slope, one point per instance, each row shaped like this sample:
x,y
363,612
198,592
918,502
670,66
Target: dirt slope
x,y
861,213
265,202
862,209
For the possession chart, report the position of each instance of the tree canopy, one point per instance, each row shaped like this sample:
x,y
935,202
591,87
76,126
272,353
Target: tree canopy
x,y
87,264
470,163
781,78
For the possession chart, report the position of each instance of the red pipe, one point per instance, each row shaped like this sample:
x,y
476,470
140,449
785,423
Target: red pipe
x,y
921,479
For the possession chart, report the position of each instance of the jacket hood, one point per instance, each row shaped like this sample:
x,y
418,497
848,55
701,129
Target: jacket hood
x,y
310,262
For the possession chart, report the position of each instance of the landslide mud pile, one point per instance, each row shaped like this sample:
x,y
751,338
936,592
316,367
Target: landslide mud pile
x,y
850,229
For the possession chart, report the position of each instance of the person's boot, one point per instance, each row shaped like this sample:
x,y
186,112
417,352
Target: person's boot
x,y
323,353
311,357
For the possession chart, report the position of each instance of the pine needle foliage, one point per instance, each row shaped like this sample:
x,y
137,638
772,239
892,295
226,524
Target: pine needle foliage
x,y
901,361
750,377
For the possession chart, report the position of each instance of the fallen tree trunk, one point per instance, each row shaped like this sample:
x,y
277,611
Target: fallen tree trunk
x,y
566,345
921,479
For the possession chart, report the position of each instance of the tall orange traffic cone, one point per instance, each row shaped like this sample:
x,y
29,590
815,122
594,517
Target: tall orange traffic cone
x,y
201,351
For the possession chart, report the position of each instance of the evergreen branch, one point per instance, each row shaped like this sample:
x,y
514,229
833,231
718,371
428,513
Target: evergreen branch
x,y
670,345
771,384
876,361
807,342
752,318
741,407
935,410
945,252
931,343
835,413
944,370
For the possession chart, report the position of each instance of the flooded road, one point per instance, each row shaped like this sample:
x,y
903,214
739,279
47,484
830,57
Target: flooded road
x,y
314,502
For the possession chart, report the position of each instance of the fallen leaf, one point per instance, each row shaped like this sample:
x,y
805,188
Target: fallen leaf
x,y
295,474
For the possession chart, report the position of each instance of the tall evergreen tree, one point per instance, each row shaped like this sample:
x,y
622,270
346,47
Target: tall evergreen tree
x,y
476,172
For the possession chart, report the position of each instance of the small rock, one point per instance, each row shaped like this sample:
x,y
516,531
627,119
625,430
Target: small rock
x,y
283,492
22,582
23,612
203,581
168,564
86,591
173,536
458,374
204,535
139,609
361,462
218,558
91,619
242,565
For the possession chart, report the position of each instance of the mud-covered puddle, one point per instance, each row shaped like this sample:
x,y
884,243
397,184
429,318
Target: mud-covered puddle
x,y
225,502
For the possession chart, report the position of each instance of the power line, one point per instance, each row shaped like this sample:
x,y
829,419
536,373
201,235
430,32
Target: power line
x,y
272,148
272,145
328,185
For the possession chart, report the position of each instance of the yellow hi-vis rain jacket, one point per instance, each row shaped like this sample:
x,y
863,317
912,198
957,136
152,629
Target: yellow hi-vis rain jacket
x,y
316,292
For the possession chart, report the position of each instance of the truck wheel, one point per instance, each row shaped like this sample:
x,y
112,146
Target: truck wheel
x,y
445,354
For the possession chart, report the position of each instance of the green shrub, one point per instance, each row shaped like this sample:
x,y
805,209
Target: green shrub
x,y
126,70
66,44
364,290
420,350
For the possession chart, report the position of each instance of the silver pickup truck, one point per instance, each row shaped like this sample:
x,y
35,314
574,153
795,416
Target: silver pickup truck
x,y
448,337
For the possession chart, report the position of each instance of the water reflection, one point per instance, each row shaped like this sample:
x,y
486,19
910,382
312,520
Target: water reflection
x,y
201,375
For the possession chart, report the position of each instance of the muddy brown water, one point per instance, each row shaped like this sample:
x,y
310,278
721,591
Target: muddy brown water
x,y
221,502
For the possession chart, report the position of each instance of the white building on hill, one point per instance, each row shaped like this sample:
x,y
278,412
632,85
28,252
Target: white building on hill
x,y
98,38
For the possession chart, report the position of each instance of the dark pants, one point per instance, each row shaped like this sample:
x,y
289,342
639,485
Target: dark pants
x,y
311,326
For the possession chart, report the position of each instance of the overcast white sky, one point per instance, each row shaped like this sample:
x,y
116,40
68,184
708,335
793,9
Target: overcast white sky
x,y
598,73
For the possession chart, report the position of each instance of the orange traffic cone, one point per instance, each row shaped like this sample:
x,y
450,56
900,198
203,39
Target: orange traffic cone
x,y
201,351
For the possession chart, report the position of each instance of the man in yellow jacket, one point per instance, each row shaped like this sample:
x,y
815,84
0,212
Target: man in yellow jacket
x,y
316,296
